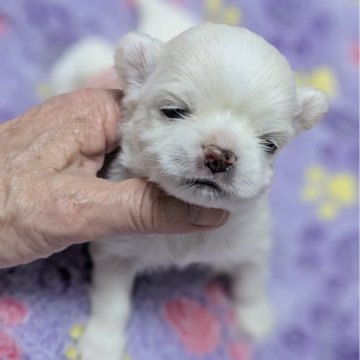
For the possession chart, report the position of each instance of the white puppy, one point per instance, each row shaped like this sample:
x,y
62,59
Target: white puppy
x,y
204,116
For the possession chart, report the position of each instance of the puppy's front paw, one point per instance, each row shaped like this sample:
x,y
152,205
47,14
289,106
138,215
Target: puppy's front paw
x,y
99,342
256,319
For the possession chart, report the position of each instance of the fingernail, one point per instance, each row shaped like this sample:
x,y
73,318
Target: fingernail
x,y
200,216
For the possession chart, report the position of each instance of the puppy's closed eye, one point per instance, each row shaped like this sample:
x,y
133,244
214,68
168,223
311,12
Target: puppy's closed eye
x,y
269,146
174,113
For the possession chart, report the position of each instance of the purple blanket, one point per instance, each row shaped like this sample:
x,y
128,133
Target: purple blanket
x,y
186,315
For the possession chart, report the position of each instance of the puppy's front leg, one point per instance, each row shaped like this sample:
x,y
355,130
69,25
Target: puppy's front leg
x,y
113,277
253,309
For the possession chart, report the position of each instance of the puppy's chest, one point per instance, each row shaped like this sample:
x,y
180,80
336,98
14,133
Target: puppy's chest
x,y
204,248
219,247
227,245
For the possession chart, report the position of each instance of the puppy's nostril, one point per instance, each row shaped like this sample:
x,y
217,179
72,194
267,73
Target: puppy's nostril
x,y
218,159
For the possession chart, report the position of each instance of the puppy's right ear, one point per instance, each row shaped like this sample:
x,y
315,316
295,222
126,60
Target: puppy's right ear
x,y
135,59
311,106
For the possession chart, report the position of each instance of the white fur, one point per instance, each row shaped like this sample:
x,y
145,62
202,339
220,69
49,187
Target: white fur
x,y
163,20
80,61
238,89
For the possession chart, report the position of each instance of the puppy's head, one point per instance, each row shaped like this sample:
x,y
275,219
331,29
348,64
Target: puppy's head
x,y
206,113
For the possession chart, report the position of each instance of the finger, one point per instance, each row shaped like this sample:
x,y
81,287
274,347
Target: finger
x,y
105,209
111,123
98,110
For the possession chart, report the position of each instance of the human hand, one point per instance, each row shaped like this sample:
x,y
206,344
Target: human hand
x,y
50,196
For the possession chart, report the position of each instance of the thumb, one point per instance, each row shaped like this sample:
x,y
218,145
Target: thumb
x,y
136,206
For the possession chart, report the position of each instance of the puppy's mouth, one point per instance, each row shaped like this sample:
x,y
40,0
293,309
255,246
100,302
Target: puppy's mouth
x,y
203,184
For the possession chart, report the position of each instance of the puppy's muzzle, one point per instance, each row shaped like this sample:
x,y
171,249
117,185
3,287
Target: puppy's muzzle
x,y
218,159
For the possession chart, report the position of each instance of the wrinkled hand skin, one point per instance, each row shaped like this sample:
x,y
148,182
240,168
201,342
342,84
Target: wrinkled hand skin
x,y
50,196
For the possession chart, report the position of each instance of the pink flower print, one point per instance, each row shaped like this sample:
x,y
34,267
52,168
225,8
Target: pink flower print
x,y
238,351
355,52
128,3
215,293
8,348
230,319
179,3
197,329
4,24
12,312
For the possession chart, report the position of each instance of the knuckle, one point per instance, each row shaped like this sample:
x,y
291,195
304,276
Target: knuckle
x,y
85,95
98,104
99,107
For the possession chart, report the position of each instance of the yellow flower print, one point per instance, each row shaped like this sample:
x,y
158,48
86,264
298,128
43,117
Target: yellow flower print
x,y
218,12
213,5
75,333
126,357
71,353
43,91
331,192
323,78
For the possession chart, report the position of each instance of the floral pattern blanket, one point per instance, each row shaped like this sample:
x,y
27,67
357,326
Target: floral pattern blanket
x,y
186,315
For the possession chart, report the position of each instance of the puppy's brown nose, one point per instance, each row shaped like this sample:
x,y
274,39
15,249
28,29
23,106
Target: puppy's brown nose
x,y
218,159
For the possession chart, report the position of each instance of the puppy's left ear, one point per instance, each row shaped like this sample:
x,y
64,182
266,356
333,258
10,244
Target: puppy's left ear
x,y
311,106
135,59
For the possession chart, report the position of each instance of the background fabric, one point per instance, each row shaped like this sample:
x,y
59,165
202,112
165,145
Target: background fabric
x,y
186,315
